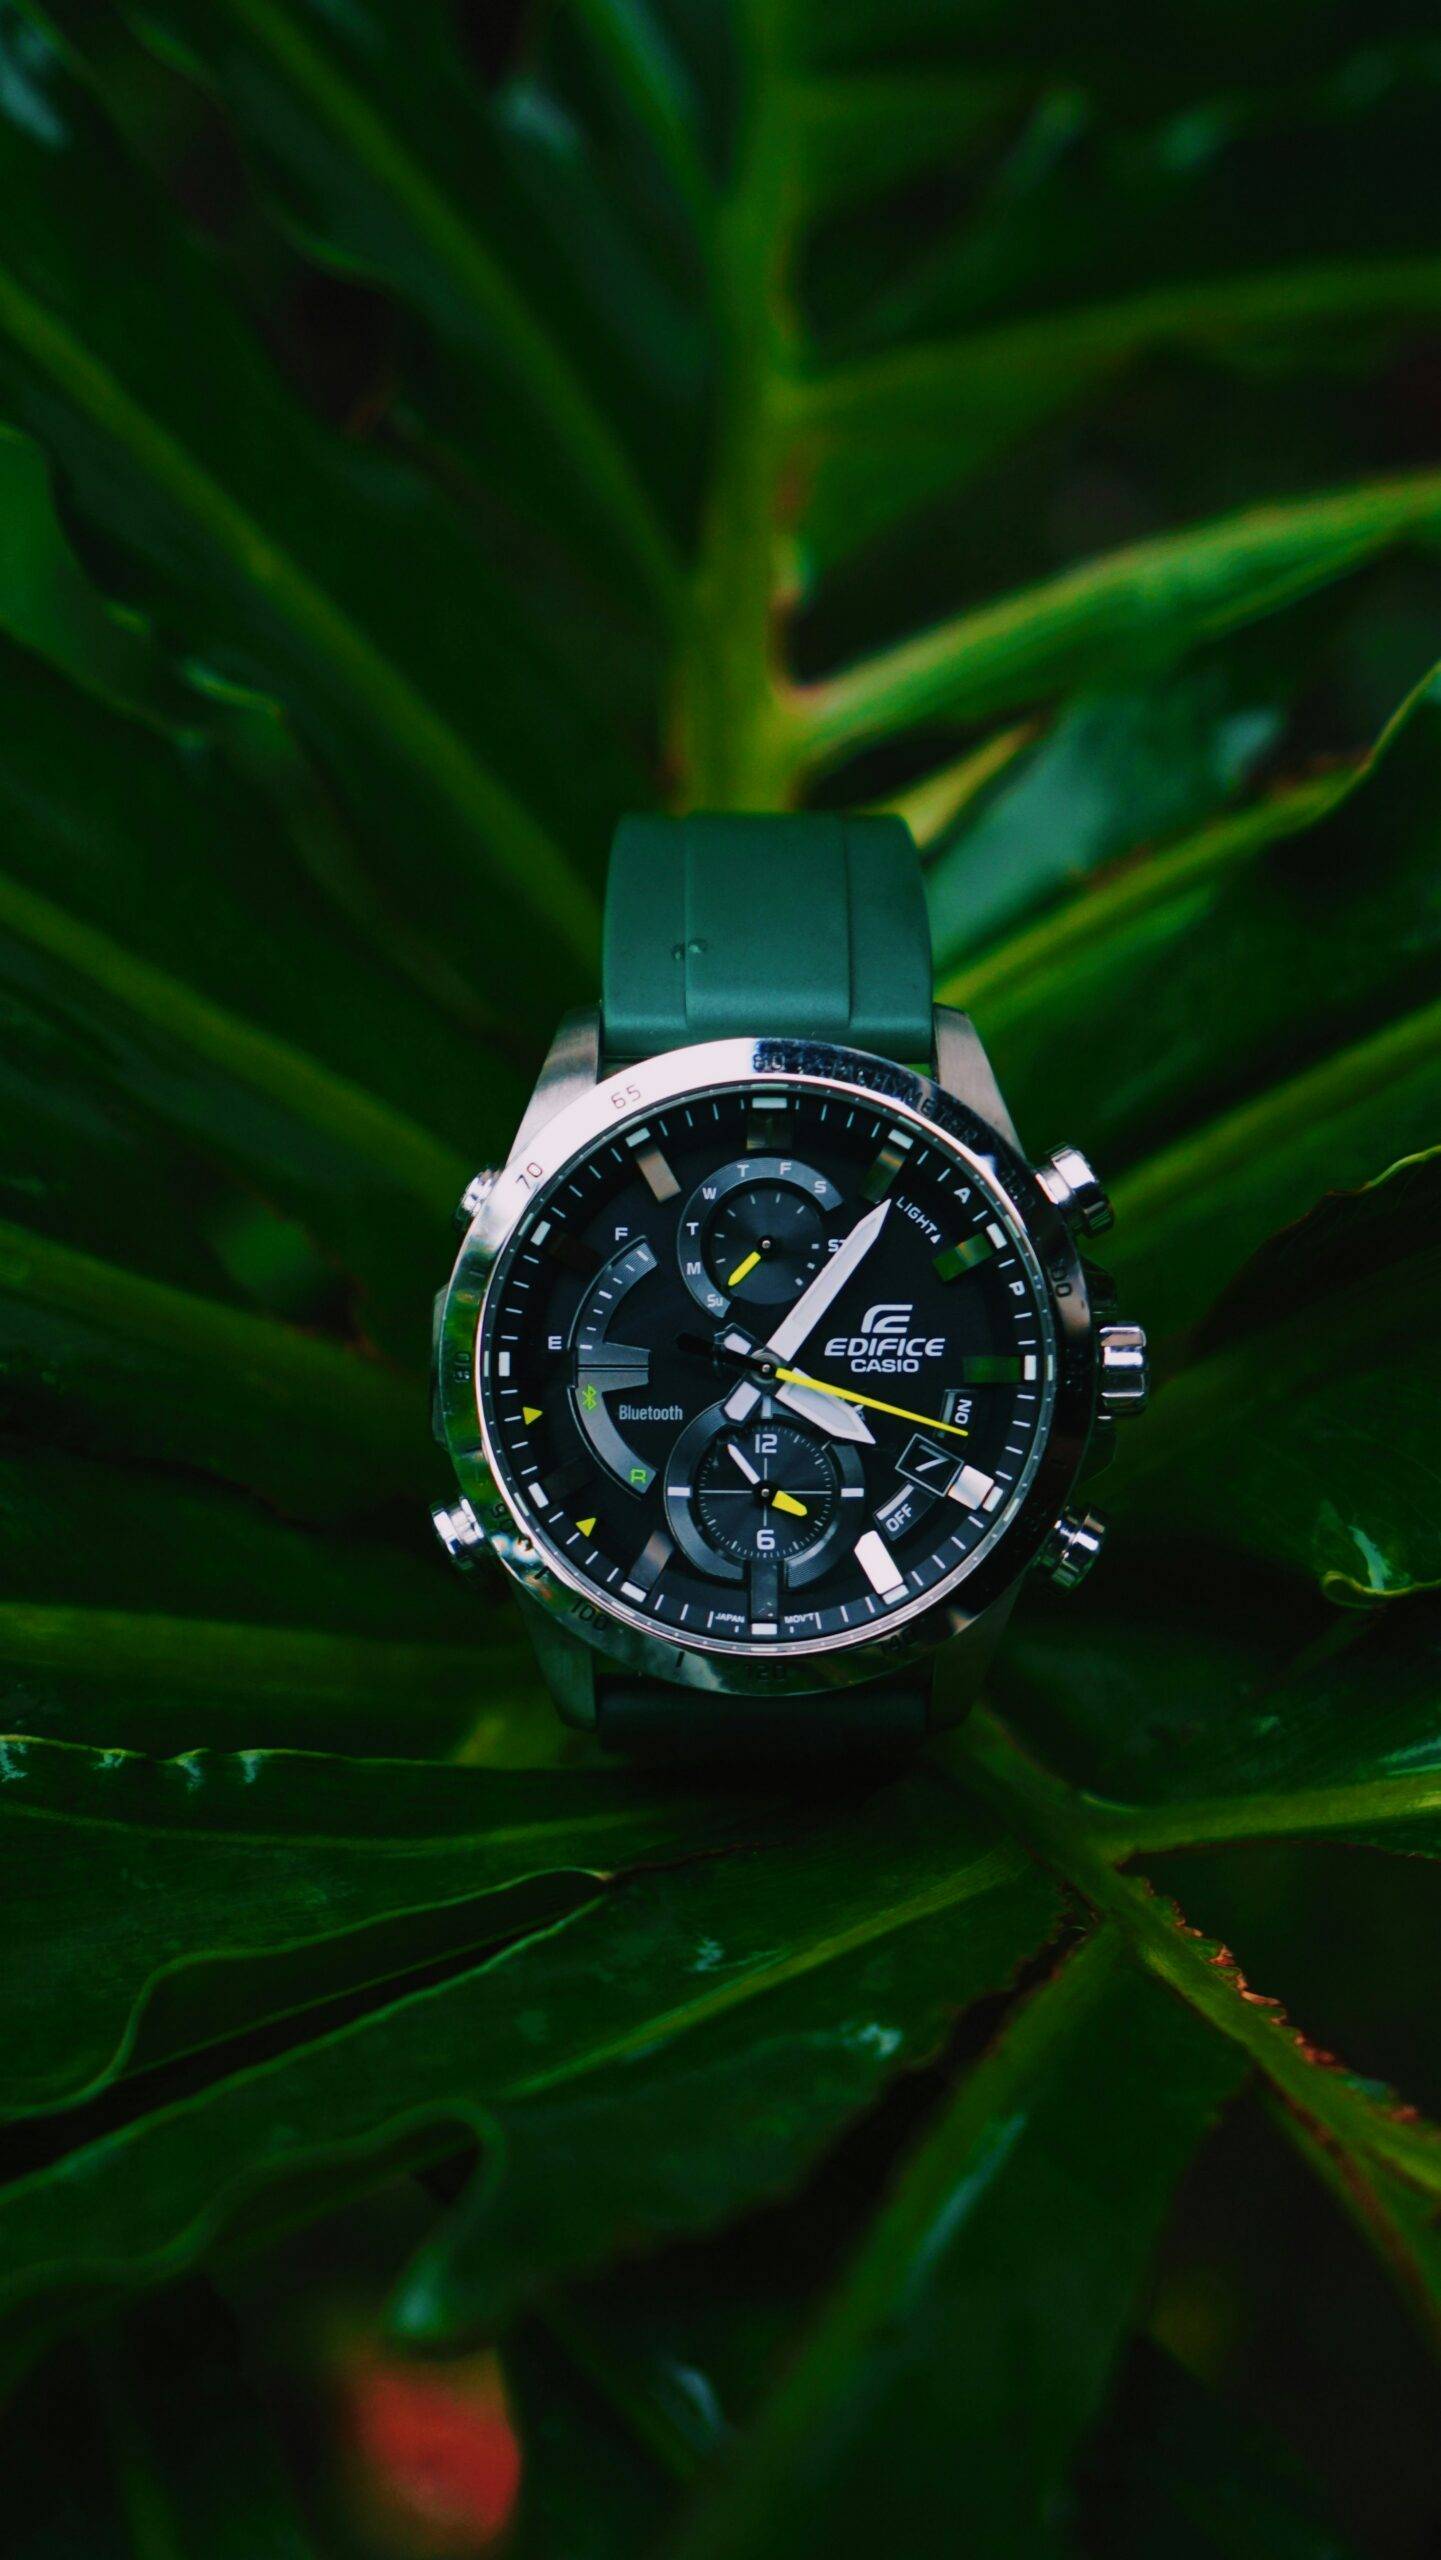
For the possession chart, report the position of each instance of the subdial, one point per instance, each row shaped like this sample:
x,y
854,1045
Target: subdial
x,y
765,1244
755,1232
766,1489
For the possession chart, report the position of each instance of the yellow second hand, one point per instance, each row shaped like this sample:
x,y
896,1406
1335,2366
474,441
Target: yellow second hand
x,y
848,1395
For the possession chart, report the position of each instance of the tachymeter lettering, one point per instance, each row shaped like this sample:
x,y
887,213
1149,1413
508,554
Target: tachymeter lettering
x,y
606,1361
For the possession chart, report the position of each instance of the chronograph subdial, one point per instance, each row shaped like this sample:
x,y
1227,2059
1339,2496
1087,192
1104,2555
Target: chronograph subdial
x,y
756,1232
761,1502
766,1489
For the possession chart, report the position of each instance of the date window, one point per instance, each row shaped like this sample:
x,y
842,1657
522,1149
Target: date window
x,y
924,1463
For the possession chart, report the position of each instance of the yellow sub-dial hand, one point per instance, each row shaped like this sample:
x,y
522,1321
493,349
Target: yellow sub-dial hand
x,y
788,1502
742,1269
848,1395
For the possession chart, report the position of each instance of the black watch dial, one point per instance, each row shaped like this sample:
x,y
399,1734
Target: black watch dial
x,y
771,1369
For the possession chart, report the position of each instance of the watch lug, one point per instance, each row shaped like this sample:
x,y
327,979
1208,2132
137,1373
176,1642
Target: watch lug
x,y
567,1666
571,1069
964,1071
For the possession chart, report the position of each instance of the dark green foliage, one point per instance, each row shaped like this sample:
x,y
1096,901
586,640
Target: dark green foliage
x,y
415,448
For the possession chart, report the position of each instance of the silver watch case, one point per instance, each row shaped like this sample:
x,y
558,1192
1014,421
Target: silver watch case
x,y
614,1102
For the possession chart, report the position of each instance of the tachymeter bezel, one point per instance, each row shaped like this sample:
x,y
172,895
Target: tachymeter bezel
x,y
518,1539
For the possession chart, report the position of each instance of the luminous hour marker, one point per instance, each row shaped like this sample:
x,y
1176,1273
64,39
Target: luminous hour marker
x,y
953,1259
657,1175
975,1489
993,1369
587,1527
649,1565
502,1364
530,1413
764,1594
879,1566
887,1165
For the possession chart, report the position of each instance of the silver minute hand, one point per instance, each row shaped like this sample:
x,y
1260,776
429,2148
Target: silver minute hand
x,y
800,1321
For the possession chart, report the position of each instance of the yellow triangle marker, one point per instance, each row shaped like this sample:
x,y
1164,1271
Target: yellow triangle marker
x,y
586,1527
531,1412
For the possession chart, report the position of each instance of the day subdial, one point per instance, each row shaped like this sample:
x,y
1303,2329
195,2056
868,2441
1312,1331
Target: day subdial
x,y
766,1489
756,1233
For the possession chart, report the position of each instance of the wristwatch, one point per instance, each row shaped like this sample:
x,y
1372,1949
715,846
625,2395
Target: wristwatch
x,y
769,1365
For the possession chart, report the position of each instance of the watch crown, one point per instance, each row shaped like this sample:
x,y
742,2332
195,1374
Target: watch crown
x,y
476,1193
1072,1548
1069,1182
1124,1380
460,1533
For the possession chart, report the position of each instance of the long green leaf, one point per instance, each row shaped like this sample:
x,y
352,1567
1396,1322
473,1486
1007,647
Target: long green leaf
x,y
156,1682
943,2390
1116,614
216,1861
1233,1715
241,507
1334,1473
648,2066
127,1366
1317,913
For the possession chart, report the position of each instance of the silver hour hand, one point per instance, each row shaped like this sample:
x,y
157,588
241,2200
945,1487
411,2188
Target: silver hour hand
x,y
800,1321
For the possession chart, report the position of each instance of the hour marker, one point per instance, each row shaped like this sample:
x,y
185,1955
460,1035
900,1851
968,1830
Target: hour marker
x,y
502,1364
649,1565
760,1126
587,1527
764,1594
953,1259
887,1165
1030,1367
879,1566
994,1369
530,1412
658,1177
975,1489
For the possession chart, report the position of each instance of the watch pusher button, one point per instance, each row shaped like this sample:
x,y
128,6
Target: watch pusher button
x,y
476,1193
1124,1381
460,1533
1072,1548
1069,1182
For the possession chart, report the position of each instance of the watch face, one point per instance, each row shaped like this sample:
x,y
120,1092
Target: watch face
x,y
767,1369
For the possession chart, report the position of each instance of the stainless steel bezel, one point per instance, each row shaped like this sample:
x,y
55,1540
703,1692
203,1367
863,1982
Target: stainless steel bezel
x,y
831,1661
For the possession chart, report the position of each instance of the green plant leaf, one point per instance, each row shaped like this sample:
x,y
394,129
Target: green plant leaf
x,y
217,1861
1236,1715
945,2387
1183,2470
162,1684
1318,914
1116,615
387,153
245,515
634,2042
1402,2226
900,429
1334,1474
1116,771
1366,2122
118,1363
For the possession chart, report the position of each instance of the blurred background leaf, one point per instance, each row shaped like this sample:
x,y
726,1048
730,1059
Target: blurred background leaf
x,y
423,436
